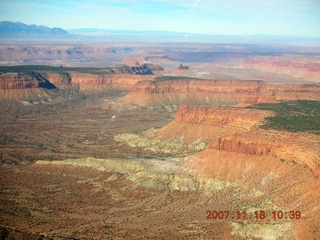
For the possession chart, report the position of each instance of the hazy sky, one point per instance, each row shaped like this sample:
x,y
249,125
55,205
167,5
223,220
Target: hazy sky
x,y
272,17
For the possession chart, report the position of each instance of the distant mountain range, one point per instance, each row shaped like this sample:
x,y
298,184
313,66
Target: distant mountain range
x,y
191,37
17,31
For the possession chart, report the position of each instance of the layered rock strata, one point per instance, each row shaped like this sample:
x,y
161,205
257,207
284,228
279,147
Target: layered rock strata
x,y
215,92
201,92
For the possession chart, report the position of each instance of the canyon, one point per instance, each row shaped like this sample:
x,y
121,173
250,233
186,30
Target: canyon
x,y
138,149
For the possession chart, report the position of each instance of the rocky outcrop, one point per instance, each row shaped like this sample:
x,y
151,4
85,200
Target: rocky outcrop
x,y
181,67
141,70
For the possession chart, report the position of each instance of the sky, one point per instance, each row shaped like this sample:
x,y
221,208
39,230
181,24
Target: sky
x,y
227,17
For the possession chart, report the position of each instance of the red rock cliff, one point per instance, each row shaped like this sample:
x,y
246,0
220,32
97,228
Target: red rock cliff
x,y
241,146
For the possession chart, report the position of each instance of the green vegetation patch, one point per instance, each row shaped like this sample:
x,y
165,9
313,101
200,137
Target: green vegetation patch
x,y
292,116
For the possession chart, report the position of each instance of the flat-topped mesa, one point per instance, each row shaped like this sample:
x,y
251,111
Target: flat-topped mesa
x,y
194,123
